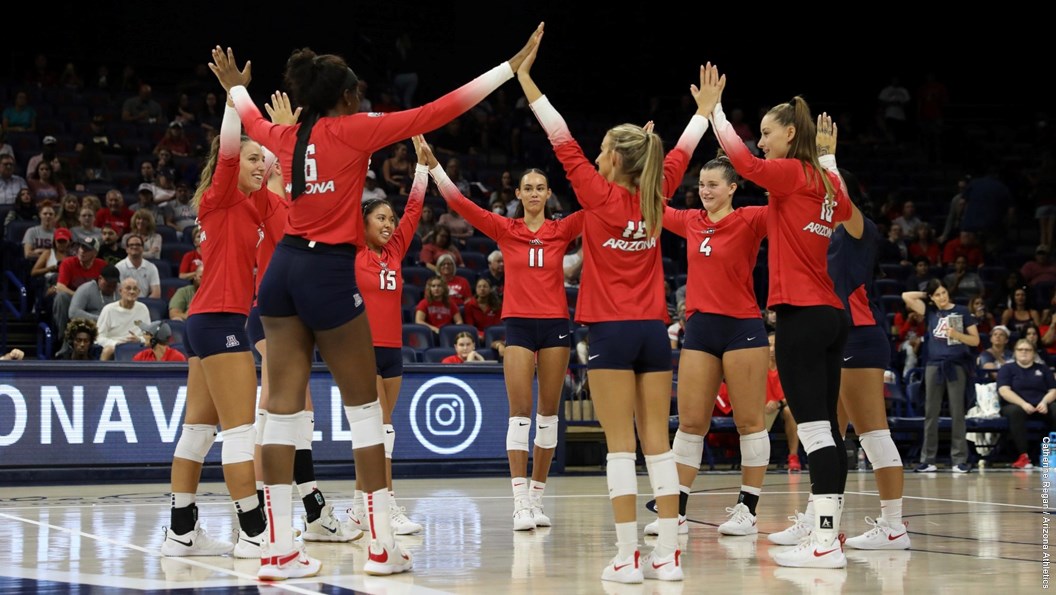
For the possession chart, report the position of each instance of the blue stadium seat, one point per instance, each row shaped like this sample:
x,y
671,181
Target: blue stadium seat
x,y
417,275
164,267
158,308
412,294
410,355
494,333
572,294
124,352
418,336
889,287
169,285
481,245
168,235
475,260
434,355
176,326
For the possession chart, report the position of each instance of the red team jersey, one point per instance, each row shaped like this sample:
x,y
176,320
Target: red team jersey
x,y
339,151
231,232
535,275
437,314
379,276
623,275
273,211
721,258
473,314
798,222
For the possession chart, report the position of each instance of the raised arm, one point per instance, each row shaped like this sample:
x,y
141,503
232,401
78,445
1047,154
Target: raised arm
x,y
412,211
675,220
825,139
915,301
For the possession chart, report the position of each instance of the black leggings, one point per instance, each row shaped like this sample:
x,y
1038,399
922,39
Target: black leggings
x,y
808,346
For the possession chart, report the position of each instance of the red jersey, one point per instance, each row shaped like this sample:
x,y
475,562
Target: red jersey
x,y
774,392
623,275
121,222
379,276
534,284
231,232
190,262
339,151
273,210
437,314
476,315
171,355
453,359
721,257
799,223
73,275
459,290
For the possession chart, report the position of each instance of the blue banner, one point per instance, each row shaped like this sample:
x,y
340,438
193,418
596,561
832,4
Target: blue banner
x,y
55,414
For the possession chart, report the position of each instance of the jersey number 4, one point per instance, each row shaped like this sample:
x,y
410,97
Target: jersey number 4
x,y
705,249
388,280
535,257
635,230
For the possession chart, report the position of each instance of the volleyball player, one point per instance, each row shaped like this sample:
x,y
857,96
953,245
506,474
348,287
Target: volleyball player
x,y
621,297
805,201
535,315
725,339
307,297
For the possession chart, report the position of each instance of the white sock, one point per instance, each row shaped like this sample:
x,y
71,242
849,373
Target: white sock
x,y
536,491
667,538
891,511
809,513
278,507
182,499
260,486
377,504
357,504
520,490
751,490
627,538
827,518
247,504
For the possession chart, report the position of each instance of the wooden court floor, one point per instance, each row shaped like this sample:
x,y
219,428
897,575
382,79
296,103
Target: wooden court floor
x,y
985,532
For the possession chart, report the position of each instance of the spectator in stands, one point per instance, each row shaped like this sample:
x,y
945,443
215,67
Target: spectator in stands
x,y
966,244
118,321
893,248
1041,269
398,170
143,226
142,109
1028,389
573,262
111,250
998,354
1021,315
80,341
211,113
91,201
191,262
775,402
91,166
457,286
136,267
179,212
371,190
10,183
115,213
69,213
454,172
13,355
38,239
25,209
74,271
925,246
46,186
496,273
1033,334
85,227
436,308
921,275
465,350
165,164
156,335
90,298
182,111
484,309
505,183
5,147
20,117
987,201
460,229
676,333
174,140
962,282
180,304
441,244
47,264
986,320
48,146
426,225
894,99
908,220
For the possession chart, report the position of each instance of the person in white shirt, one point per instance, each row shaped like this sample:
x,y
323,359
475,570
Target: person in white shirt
x,y
140,269
118,322
371,190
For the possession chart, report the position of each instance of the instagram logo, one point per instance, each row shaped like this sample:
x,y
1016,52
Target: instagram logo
x,y
445,415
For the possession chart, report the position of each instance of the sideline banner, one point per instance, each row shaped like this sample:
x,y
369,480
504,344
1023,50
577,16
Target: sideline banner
x,y
63,414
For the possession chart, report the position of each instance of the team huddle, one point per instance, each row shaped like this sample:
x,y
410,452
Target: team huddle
x,y
284,200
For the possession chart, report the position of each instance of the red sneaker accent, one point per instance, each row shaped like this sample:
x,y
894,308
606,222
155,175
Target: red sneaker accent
x,y
890,538
381,558
818,555
620,567
678,554
279,560
655,565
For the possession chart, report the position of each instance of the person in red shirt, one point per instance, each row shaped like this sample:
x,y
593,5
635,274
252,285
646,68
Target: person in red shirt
x,y
221,373
379,277
190,261
621,298
465,350
440,246
437,308
115,213
805,202
534,310
967,245
457,285
776,403
724,338
484,309
325,158
156,335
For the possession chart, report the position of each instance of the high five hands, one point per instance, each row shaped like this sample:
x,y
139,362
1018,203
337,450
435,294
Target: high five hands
x,y
709,93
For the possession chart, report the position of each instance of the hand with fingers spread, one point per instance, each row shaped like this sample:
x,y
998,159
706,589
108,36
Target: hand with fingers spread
x,y
281,111
517,61
223,66
825,138
425,152
709,94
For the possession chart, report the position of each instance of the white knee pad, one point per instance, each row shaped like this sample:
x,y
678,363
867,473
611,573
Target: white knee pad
x,y
815,435
262,420
390,439
880,449
195,442
688,449
546,431
755,449
663,474
364,423
305,430
281,429
517,433
238,445
621,474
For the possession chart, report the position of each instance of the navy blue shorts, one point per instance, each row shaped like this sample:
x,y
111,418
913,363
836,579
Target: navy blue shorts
x,y
254,327
316,284
716,334
211,333
388,361
537,333
639,345
867,347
